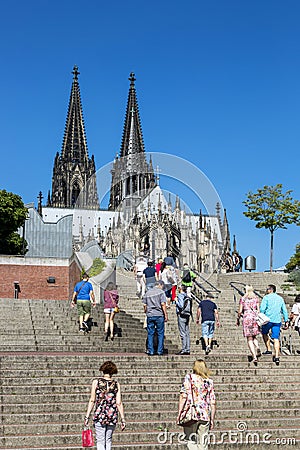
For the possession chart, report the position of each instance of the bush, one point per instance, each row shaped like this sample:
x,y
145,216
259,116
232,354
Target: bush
x,y
294,276
97,267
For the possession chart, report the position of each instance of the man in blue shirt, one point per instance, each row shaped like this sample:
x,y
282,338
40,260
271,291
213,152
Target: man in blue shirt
x,y
83,292
208,311
274,307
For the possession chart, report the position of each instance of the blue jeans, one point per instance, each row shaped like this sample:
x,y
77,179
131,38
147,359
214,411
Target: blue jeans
x,y
156,323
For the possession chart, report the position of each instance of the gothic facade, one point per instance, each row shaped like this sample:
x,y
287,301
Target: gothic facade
x,y
138,215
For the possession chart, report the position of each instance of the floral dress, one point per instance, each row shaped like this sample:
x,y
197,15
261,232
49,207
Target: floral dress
x,y
106,411
203,395
250,310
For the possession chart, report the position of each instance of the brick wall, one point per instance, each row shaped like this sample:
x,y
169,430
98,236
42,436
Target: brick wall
x,y
32,279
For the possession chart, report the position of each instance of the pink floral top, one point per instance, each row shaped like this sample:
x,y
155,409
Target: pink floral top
x,y
111,299
203,394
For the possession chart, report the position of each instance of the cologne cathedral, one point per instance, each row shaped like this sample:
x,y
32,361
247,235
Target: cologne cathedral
x,y
138,215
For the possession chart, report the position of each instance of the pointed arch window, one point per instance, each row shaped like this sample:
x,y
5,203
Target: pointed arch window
x,y
75,193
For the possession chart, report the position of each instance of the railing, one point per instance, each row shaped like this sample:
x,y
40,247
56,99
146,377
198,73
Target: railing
x,y
240,291
209,288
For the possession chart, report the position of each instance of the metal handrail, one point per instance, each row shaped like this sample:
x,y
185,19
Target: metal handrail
x,y
242,293
206,281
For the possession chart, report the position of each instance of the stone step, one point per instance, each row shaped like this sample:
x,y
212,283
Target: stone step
x,y
150,386
133,372
228,389
149,425
130,437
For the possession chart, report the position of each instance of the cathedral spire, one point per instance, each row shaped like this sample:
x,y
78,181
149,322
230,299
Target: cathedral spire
x,y
74,143
74,173
132,140
132,175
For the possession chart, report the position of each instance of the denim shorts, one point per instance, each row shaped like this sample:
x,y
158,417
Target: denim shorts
x,y
108,310
275,327
208,328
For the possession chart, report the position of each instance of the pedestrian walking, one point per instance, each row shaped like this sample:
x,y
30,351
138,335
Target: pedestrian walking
x,y
184,313
248,310
208,311
155,309
84,297
273,306
111,300
149,275
187,278
166,276
140,265
197,390
295,314
106,401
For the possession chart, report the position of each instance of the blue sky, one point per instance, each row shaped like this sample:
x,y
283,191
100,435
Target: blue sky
x,y
217,84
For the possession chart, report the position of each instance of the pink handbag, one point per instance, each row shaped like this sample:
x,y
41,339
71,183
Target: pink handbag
x,y
87,438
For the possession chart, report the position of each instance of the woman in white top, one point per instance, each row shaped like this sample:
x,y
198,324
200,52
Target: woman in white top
x,y
295,314
166,276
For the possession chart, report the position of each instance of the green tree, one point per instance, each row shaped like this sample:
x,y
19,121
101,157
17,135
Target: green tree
x,y
272,209
13,214
294,262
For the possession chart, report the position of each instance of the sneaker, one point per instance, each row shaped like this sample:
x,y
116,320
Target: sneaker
x,y
81,330
186,353
207,350
267,352
85,326
276,361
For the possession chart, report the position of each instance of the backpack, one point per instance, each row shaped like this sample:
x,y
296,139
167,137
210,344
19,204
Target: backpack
x,y
186,311
186,278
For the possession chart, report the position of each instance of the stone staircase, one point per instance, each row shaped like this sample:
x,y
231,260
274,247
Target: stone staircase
x,y
47,367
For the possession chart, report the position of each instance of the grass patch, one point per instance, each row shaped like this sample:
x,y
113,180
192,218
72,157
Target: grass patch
x,y
97,267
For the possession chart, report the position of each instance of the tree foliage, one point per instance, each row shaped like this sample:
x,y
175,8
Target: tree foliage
x,y
294,262
13,214
97,267
272,209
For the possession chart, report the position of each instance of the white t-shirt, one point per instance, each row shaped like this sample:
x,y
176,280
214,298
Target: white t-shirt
x,y
296,311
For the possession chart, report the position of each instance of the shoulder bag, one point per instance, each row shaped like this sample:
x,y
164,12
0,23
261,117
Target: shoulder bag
x,y
186,415
262,319
116,308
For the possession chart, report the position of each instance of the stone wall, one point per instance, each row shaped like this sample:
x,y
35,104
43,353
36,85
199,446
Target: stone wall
x,y
33,274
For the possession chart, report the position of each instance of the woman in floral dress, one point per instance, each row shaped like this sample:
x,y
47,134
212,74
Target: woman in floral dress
x,y
249,308
106,399
198,389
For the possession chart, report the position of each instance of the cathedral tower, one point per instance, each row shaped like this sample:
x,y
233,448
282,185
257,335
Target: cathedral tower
x,y
74,173
132,175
